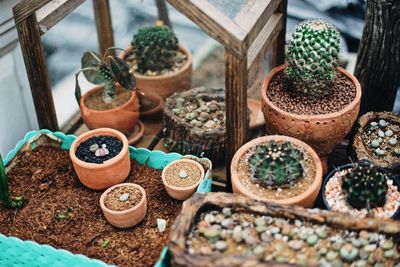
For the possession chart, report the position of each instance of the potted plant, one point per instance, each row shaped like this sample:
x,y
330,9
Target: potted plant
x,y
114,102
182,177
378,140
124,205
16,202
277,168
362,189
161,65
101,158
310,97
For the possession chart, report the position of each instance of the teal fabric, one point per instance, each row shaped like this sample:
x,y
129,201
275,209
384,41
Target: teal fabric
x,y
16,252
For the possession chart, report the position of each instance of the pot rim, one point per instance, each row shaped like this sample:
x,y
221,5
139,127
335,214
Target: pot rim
x,y
157,108
184,68
92,133
134,208
328,116
197,164
288,201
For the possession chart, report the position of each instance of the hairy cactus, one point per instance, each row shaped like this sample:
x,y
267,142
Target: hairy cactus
x,y
312,58
155,48
365,186
276,164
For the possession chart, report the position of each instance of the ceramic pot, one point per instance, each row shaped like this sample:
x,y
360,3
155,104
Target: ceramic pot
x,y
110,172
164,85
182,193
122,118
305,199
125,218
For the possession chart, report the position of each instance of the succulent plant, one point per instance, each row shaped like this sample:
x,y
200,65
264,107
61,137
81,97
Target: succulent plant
x,y
365,186
155,48
276,164
16,202
312,58
107,70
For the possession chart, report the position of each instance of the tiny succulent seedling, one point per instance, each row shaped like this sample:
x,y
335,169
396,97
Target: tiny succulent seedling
x,y
16,202
276,164
313,54
107,70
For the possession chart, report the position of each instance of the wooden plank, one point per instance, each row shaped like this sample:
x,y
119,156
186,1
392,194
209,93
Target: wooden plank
x,y
215,23
73,124
103,24
25,8
280,41
163,13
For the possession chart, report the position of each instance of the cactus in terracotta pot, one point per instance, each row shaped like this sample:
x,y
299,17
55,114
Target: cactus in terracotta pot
x,y
16,202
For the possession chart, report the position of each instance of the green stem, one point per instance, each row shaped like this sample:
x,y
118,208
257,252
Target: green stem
x,y
109,91
4,189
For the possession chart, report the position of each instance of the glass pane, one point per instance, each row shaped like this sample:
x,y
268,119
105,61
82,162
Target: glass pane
x,y
230,8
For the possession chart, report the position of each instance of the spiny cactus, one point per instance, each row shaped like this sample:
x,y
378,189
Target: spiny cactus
x,y
365,186
155,48
276,164
312,58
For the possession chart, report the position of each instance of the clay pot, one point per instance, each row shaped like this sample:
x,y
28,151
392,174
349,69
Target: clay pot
x,y
305,199
164,85
122,118
321,132
182,193
110,172
125,218
151,105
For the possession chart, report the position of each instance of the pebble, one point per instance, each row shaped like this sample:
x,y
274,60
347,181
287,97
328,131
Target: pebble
x,y
203,116
281,259
210,124
392,141
388,253
259,221
161,225
356,242
213,107
375,143
101,152
396,151
212,232
124,197
331,255
226,223
275,230
321,233
183,174
348,253
258,251
296,244
379,152
250,240
176,111
209,218
373,124
227,211
361,263
219,218
389,133
260,228
237,234
370,247
364,235
386,244
312,240
381,133
93,148
190,116
220,245
286,230
382,123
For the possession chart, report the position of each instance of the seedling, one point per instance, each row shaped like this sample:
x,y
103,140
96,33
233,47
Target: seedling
x,y
16,202
66,215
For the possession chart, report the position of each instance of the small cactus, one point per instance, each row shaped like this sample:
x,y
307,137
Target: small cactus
x,y
276,164
365,186
155,48
312,58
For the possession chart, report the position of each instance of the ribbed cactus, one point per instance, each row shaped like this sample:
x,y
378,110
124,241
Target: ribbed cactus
x,y
155,48
312,58
365,186
276,164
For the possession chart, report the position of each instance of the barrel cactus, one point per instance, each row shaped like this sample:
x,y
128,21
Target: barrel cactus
x,y
276,164
155,48
365,186
312,58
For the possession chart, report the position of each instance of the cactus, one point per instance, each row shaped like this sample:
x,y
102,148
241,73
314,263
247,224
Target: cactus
x,y
155,48
365,186
17,202
276,164
312,58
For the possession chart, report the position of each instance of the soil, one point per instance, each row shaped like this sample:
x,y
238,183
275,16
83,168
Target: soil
x,y
46,178
279,93
112,144
113,202
296,189
95,100
172,174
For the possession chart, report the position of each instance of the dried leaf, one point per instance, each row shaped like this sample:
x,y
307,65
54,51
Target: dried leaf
x,y
121,74
78,92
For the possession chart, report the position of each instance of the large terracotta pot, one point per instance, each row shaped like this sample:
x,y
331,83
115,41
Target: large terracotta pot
x,y
305,199
321,132
164,85
110,172
122,118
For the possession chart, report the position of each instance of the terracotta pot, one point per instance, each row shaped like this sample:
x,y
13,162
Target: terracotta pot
x,y
182,193
151,105
164,85
321,132
305,199
122,118
110,172
125,218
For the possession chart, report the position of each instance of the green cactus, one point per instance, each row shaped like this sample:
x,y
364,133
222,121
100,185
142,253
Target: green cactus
x,y
155,48
276,164
17,202
313,54
365,186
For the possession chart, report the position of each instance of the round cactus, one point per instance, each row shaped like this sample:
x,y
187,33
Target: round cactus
x,y
312,58
155,48
365,186
276,164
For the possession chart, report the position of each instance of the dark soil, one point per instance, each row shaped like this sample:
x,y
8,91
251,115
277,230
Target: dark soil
x,y
95,100
47,180
113,202
113,145
343,93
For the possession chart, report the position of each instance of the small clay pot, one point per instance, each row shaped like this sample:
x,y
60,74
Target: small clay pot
x,y
122,118
305,199
182,193
125,218
164,85
110,172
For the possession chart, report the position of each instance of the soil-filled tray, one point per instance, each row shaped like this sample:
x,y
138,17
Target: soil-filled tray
x,y
63,213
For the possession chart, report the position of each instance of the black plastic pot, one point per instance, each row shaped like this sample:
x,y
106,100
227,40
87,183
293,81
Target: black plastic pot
x,y
395,179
